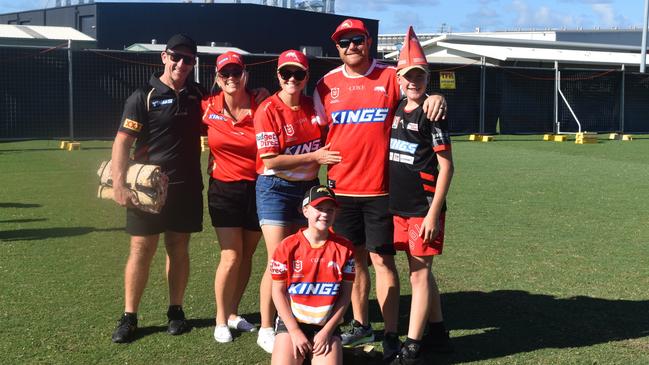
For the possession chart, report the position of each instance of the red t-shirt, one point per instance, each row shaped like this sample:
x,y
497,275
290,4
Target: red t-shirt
x,y
313,275
233,151
281,129
359,111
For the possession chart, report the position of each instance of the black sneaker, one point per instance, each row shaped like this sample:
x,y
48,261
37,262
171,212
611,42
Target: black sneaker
x,y
177,323
125,331
391,346
440,343
357,335
408,355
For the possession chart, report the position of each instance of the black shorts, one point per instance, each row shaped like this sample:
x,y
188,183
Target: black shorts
x,y
182,212
309,330
366,221
233,204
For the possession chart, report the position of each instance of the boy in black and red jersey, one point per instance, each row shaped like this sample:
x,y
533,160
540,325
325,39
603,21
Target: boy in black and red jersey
x,y
313,271
418,199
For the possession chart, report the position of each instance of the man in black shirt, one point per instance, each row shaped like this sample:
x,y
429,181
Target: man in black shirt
x,y
163,119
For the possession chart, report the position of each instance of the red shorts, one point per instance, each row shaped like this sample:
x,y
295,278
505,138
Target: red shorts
x,y
406,236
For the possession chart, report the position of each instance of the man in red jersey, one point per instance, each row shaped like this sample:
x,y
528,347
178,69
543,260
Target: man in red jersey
x,y
357,101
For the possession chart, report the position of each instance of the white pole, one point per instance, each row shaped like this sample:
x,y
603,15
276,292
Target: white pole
x,y
70,91
643,51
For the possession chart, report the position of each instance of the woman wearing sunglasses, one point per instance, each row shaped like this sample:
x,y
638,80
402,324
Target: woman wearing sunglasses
x,y
228,113
289,144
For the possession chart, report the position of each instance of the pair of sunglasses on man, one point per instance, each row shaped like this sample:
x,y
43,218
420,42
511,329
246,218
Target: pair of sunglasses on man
x,y
176,57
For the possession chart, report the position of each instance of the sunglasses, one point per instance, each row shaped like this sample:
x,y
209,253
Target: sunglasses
x,y
286,74
176,57
357,39
226,74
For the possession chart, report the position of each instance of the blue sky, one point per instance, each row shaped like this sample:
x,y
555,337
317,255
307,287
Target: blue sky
x,y
463,15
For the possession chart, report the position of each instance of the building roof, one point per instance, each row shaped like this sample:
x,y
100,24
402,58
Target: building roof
x,y
35,35
449,46
148,47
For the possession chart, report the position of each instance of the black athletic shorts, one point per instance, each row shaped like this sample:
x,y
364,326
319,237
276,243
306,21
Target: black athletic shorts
x,y
233,204
309,330
182,212
366,221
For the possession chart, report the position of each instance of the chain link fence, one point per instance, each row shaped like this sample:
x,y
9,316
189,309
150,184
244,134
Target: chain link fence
x,y
35,93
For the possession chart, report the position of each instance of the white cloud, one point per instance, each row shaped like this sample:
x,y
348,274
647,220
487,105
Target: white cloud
x,y
605,14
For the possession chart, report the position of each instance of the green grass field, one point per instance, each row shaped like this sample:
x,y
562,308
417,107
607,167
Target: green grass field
x,y
546,261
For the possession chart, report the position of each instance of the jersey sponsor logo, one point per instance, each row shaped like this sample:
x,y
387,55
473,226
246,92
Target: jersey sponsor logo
x,y
350,267
277,268
356,87
297,265
402,146
215,117
397,157
303,148
367,115
413,127
325,289
335,92
290,131
267,140
132,125
157,103
336,267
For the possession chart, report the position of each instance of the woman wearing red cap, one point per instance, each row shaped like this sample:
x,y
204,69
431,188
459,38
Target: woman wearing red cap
x,y
289,144
228,114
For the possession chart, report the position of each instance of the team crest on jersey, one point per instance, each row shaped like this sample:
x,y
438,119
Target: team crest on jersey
x,y
132,125
336,267
335,92
297,265
380,89
290,131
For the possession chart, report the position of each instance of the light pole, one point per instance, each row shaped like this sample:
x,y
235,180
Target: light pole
x,y
643,51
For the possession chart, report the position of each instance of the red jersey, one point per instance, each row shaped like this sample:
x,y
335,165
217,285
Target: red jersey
x,y
359,112
313,275
233,151
281,129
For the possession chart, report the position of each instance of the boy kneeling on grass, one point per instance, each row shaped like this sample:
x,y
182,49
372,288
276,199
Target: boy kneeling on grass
x,y
312,271
418,200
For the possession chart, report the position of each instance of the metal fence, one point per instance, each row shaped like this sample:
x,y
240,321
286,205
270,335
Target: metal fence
x,y
39,99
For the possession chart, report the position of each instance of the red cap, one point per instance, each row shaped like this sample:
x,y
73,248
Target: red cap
x,y
411,55
317,194
229,58
293,57
349,25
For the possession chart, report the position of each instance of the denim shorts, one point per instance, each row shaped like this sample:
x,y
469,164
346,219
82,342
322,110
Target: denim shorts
x,y
279,201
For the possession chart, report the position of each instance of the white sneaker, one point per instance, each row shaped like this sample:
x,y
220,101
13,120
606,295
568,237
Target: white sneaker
x,y
222,334
240,324
266,339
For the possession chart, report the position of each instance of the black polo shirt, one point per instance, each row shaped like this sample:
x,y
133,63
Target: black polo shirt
x,y
167,125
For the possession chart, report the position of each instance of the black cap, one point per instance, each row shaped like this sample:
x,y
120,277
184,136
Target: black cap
x,y
317,195
181,40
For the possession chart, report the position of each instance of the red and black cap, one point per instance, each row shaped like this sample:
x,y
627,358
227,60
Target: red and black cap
x,y
317,195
